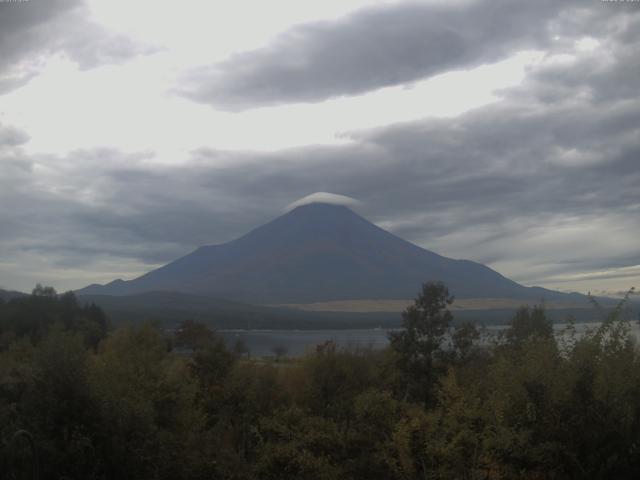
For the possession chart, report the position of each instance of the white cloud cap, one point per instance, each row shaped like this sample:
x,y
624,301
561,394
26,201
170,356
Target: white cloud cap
x,y
324,197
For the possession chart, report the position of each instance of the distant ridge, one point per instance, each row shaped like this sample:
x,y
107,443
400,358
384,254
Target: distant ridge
x,y
321,252
7,295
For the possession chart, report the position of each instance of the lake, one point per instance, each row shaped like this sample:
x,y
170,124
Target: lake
x,y
296,342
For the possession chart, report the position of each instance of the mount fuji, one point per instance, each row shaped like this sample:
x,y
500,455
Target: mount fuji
x,y
320,252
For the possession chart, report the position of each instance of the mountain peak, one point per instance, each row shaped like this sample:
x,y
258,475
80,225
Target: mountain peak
x,y
311,222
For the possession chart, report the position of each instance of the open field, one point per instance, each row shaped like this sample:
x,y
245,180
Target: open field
x,y
392,306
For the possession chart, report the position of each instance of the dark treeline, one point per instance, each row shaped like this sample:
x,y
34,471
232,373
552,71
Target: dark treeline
x,y
438,403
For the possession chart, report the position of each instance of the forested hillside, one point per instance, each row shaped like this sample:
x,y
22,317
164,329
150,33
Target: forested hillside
x,y
440,402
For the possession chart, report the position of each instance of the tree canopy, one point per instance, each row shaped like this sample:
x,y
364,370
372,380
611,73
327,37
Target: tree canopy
x,y
125,404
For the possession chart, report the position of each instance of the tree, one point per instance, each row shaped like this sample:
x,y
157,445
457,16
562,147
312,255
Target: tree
x,y
279,351
463,339
241,348
62,412
32,316
424,326
43,291
194,335
528,323
151,426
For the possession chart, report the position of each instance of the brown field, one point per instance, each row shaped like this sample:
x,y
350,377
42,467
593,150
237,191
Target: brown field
x,y
367,305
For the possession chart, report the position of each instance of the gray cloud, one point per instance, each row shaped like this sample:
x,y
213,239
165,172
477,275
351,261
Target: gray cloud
x,y
377,47
541,184
33,29
11,137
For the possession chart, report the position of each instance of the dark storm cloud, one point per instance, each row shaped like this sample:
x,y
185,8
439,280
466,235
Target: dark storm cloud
x,y
31,29
374,48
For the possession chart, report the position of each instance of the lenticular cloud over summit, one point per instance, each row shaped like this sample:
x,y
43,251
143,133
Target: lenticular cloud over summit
x,y
324,197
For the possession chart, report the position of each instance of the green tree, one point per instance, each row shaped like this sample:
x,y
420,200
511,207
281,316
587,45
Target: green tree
x,y
463,340
34,315
454,439
59,408
151,424
425,324
299,445
194,335
333,377
43,291
529,322
280,351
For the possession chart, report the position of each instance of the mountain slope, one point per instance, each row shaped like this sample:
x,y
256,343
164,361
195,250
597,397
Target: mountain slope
x,y
7,295
319,252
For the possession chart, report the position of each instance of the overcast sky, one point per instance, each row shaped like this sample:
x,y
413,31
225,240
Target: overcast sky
x,y
505,132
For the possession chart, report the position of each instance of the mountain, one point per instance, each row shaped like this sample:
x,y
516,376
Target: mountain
x,y
7,295
320,252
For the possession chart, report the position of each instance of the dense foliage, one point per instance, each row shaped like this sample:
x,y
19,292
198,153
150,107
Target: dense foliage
x,y
440,402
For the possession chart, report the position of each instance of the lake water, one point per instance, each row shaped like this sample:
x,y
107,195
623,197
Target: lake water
x,y
262,342
296,342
